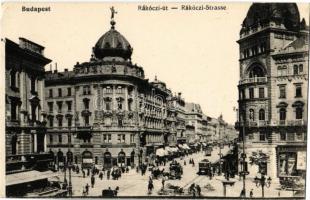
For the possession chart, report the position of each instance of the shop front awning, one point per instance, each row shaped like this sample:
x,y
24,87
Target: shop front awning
x,y
29,176
185,146
161,152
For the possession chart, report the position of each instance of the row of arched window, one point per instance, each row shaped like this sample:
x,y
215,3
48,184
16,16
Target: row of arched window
x,y
282,114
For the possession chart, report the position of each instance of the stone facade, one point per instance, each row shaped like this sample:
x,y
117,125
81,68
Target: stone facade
x,y
273,91
24,99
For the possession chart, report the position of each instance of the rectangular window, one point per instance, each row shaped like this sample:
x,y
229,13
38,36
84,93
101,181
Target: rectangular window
x,y
298,91
282,91
299,135
69,122
69,91
51,121
132,138
59,103
50,106
60,122
50,93
261,92
105,138
251,93
282,135
290,136
60,138
69,104
262,136
59,92
51,139
86,90
109,138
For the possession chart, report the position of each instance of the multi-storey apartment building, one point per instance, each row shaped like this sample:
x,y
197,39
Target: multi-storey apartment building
x,y
25,138
273,90
105,111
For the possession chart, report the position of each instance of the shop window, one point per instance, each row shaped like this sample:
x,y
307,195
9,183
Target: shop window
x,y
262,114
287,164
299,112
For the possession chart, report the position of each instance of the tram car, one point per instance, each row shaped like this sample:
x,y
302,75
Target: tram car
x,y
204,167
176,171
208,151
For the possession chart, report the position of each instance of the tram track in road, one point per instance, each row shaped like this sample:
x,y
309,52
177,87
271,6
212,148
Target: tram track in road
x,y
198,178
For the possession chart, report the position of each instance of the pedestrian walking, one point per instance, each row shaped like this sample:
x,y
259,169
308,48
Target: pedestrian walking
x,y
163,182
184,162
88,172
251,193
87,188
92,180
116,190
150,186
100,175
192,189
83,173
198,189
108,174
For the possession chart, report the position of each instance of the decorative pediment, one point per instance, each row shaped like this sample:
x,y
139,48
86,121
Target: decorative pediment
x,y
298,104
86,113
282,105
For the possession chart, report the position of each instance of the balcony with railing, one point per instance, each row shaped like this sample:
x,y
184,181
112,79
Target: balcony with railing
x,y
253,80
297,122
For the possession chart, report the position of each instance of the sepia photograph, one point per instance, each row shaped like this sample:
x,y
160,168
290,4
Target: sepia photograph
x,y
154,100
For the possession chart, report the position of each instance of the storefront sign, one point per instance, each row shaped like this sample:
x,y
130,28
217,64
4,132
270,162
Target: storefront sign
x,y
301,160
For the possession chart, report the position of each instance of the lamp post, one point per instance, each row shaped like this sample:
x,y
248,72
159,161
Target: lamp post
x,y
69,163
263,181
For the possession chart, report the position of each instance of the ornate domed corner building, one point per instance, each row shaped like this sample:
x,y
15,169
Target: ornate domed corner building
x,y
273,89
105,111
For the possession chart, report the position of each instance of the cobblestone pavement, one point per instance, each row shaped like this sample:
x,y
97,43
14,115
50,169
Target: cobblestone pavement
x,y
134,184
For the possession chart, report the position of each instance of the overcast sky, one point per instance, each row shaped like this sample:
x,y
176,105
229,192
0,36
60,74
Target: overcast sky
x,y
194,52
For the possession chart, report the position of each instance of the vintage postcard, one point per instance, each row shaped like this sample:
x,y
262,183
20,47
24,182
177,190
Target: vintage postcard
x,y
155,100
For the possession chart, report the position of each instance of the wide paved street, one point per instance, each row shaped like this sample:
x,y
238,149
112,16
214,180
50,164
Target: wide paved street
x,y
134,184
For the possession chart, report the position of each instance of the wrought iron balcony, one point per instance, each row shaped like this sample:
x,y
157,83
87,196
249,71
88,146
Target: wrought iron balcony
x,y
253,80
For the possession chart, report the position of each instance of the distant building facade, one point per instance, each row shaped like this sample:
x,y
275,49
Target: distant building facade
x,y
273,90
25,138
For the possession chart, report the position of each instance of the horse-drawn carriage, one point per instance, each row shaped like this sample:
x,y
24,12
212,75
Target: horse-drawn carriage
x,y
176,170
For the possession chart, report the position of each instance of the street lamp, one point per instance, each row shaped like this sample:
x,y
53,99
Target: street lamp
x,y
262,182
69,161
